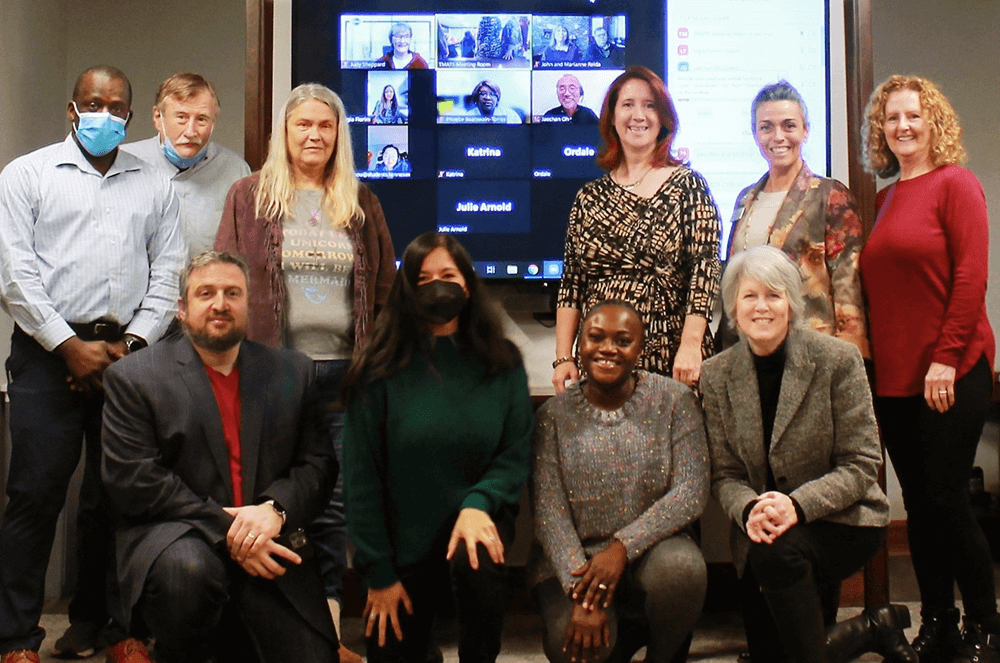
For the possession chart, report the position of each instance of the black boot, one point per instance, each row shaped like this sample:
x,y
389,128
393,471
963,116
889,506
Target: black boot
x,y
798,615
980,646
877,630
939,639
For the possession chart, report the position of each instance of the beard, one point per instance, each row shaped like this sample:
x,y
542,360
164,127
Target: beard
x,y
227,341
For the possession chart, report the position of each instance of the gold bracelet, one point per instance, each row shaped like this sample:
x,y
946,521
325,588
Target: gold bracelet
x,y
563,360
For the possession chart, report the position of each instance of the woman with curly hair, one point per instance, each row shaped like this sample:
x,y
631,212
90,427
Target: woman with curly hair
x,y
811,218
925,272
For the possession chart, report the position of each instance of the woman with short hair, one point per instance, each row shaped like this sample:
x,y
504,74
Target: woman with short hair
x,y
400,56
795,457
620,476
811,218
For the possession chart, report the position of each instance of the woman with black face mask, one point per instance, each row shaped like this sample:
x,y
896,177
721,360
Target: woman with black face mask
x,y
436,451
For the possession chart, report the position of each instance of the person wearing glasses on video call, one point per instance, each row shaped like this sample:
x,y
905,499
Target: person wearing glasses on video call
x,y
401,57
485,102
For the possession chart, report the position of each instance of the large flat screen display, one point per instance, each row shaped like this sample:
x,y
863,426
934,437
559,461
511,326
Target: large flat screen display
x,y
479,118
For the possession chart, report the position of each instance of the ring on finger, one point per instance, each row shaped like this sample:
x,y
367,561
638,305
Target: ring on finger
x,y
371,617
251,536
602,587
943,392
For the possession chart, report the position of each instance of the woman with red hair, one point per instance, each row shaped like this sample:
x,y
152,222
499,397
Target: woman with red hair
x,y
647,233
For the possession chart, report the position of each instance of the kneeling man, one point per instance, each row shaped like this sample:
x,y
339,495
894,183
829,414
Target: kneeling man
x,y
214,457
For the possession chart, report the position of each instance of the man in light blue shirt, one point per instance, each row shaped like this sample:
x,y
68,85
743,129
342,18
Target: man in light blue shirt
x,y
200,170
90,251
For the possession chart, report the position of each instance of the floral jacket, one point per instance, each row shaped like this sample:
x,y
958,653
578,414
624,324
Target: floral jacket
x,y
819,228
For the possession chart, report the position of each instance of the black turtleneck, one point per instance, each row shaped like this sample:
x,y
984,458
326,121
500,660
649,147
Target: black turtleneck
x,y
769,371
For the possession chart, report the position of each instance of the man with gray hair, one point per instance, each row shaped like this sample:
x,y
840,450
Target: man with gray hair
x,y
215,456
200,169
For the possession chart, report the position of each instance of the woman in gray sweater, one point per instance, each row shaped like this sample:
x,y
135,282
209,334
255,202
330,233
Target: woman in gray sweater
x,y
620,473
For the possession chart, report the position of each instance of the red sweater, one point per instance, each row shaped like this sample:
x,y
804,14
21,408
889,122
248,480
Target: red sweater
x,y
925,269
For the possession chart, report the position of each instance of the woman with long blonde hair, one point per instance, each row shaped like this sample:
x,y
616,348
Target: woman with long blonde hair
x,y
321,262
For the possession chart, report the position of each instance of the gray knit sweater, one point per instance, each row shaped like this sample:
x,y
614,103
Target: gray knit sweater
x,y
638,474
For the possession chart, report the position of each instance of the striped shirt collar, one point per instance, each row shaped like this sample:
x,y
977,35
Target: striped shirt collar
x,y
70,153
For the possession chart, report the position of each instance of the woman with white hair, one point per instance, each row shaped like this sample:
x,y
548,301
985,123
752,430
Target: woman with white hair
x,y
321,262
795,457
401,57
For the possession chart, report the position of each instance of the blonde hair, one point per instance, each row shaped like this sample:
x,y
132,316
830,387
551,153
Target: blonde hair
x,y
275,196
946,134
770,266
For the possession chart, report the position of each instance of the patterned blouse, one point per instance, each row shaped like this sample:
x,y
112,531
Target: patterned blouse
x,y
661,254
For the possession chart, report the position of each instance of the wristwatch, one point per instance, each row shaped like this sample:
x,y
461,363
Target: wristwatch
x,y
278,510
133,343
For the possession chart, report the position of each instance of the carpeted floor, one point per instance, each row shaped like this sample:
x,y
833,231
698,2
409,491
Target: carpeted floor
x,y
718,638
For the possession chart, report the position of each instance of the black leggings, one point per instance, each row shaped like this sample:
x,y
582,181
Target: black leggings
x,y
933,454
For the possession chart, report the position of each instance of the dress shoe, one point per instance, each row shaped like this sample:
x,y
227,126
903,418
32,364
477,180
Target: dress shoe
x,y
20,656
128,650
347,656
979,646
939,639
79,641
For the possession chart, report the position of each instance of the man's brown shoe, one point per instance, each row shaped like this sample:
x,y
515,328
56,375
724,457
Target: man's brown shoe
x,y
20,656
128,650
347,656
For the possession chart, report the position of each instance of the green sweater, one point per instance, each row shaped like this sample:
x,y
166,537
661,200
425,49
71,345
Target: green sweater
x,y
425,443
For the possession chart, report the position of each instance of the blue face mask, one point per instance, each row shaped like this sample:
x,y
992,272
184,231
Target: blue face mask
x,y
182,162
99,133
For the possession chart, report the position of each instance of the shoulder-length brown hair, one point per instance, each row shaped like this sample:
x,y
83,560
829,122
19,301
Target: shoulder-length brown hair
x,y
946,134
610,155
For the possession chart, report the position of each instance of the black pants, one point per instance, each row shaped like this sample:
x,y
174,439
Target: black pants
x,y
198,604
824,551
763,640
480,595
49,426
933,454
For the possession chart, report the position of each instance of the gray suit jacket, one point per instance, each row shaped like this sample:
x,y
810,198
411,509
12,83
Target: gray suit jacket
x,y
825,450
166,467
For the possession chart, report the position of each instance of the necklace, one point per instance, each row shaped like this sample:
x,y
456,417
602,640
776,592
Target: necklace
x,y
767,206
629,187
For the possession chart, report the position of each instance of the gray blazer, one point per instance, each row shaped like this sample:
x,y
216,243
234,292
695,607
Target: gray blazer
x,y
825,450
166,467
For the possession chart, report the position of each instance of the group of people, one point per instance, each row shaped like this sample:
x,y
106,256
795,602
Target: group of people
x,y
600,49
314,389
792,439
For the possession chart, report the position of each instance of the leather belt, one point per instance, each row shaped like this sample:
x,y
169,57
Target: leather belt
x,y
99,330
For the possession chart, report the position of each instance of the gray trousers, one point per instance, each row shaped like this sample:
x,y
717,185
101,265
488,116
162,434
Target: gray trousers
x,y
662,592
